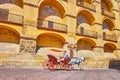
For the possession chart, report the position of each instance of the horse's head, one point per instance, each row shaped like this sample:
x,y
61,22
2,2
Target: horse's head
x,y
82,58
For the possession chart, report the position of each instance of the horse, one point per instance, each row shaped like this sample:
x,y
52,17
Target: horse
x,y
78,61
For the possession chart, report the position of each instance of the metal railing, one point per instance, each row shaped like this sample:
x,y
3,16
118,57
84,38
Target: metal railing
x,y
110,14
109,37
51,25
5,16
86,5
86,32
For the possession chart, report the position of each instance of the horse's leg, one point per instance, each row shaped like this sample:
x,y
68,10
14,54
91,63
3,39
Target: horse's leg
x,y
78,65
72,65
78,62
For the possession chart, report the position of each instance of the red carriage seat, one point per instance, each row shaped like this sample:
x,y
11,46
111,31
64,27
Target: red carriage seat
x,y
52,59
65,61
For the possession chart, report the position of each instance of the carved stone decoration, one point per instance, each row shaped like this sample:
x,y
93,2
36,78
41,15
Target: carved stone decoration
x,y
27,46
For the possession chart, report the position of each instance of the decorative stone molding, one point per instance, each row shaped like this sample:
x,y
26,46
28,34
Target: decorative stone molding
x,y
30,4
27,46
97,1
98,47
116,29
72,16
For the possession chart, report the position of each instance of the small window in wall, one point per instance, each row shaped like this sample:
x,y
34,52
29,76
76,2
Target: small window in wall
x,y
49,10
82,19
6,1
50,24
104,25
4,14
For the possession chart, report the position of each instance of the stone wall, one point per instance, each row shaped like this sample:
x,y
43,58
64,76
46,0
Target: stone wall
x,y
9,48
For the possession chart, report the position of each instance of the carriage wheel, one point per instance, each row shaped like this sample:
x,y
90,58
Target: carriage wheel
x,y
45,65
52,66
69,67
63,66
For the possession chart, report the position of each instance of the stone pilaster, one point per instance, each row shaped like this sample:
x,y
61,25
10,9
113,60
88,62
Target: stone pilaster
x,y
97,5
98,48
118,47
71,49
28,38
30,7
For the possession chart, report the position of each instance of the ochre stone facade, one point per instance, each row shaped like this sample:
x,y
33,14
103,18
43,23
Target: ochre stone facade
x,y
29,29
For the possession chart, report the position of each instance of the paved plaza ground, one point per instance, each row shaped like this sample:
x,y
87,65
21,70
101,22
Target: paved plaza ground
x,y
8,73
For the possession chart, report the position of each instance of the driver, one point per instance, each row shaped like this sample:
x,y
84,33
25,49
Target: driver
x,y
65,56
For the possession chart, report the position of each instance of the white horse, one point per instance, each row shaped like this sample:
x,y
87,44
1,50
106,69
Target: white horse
x,y
78,61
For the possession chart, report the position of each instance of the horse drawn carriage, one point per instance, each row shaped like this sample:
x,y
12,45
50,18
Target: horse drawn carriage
x,y
53,63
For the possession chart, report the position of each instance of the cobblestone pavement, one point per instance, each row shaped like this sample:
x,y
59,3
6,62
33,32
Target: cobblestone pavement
x,y
7,73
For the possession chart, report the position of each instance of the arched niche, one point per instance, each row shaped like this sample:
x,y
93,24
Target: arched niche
x,y
86,17
9,36
85,44
14,8
15,2
50,40
106,5
108,24
9,41
48,8
109,47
